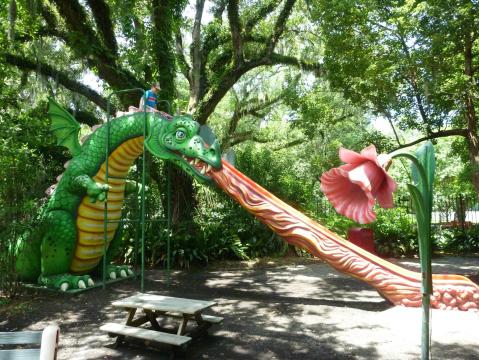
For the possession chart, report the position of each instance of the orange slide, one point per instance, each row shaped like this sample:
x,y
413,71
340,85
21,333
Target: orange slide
x,y
398,285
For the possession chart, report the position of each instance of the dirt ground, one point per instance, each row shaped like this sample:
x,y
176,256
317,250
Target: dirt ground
x,y
294,309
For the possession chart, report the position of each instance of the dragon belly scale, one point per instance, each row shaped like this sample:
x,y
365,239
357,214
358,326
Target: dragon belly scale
x,y
90,219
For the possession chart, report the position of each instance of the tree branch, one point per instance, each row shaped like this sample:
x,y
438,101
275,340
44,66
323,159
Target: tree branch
x,y
317,68
279,26
42,32
101,13
221,87
247,108
51,20
412,79
61,77
259,15
85,44
195,53
435,135
80,34
180,55
235,28
245,136
218,10
290,144
228,75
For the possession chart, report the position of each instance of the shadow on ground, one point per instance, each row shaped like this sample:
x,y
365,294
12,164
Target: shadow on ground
x,y
289,312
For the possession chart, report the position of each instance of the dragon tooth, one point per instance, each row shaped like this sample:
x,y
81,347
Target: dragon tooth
x,y
208,167
197,161
203,170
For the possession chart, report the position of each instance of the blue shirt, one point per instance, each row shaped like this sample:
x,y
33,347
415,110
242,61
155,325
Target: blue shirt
x,y
151,99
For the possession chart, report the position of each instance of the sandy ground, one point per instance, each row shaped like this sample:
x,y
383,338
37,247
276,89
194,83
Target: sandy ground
x,y
286,311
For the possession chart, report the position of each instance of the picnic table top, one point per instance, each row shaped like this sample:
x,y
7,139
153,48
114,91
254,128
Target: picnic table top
x,y
163,303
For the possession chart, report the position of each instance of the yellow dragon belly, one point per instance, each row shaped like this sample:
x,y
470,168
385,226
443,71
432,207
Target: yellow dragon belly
x,y
90,221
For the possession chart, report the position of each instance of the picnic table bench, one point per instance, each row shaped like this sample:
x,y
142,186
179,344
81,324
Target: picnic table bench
x,y
38,345
154,306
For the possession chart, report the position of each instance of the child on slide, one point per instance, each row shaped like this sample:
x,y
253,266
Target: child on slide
x,y
151,102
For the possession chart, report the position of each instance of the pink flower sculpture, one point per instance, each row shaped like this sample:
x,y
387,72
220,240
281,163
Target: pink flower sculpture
x,y
353,187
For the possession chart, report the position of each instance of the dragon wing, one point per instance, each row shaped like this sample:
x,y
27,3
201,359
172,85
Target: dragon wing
x,y
65,127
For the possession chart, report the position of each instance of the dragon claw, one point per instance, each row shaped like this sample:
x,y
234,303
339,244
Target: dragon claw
x,y
66,282
118,271
64,286
97,192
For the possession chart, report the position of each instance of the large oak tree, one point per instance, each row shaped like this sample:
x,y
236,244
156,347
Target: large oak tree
x,y
128,44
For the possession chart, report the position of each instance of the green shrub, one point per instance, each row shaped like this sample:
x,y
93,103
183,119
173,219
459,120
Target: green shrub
x,y
338,223
395,233
458,240
187,249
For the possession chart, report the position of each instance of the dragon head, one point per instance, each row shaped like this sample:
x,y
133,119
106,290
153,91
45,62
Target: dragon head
x,y
179,141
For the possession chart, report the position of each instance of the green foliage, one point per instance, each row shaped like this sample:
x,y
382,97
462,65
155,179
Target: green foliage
x,y
395,233
410,62
398,57
334,221
459,241
187,250
282,172
238,234
28,164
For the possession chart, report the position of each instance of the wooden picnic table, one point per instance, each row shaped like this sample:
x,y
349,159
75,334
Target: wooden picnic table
x,y
152,307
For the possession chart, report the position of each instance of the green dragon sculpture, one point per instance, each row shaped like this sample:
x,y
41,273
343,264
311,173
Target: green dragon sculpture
x,y
69,244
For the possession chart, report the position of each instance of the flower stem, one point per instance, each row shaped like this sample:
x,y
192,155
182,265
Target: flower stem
x,y
421,193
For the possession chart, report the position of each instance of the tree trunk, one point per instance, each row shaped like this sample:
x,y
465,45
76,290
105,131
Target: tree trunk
x,y
473,142
195,71
183,200
162,18
470,111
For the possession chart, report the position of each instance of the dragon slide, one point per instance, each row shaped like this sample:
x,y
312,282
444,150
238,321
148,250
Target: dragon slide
x,y
69,243
398,285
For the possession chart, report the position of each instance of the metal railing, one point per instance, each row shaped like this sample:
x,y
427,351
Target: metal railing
x,y
141,220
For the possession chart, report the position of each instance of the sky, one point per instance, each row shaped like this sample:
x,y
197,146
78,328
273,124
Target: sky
x,y
382,125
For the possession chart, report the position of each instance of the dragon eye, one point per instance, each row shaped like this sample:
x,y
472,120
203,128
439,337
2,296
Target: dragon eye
x,y
180,134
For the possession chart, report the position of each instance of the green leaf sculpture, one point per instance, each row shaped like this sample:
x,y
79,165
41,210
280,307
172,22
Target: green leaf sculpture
x,y
423,171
